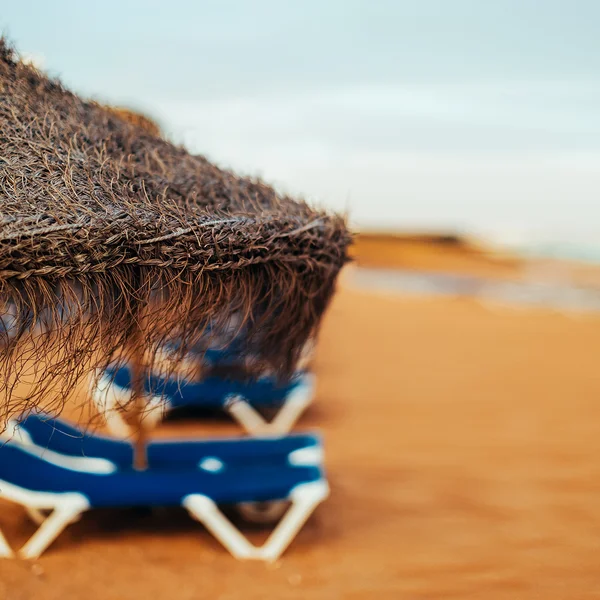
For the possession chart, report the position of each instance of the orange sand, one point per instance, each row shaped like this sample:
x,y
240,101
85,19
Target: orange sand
x,y
465,257
424,253
463,448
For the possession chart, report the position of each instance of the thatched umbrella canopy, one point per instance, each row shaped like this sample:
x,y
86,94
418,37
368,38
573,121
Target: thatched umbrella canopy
x,y
121,240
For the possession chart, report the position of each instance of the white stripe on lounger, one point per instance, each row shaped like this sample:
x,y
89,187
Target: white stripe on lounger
x,y
82,464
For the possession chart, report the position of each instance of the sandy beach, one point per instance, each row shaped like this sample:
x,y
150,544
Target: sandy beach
x,y
463,450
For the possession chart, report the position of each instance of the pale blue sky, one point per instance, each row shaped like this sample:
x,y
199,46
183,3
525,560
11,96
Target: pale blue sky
x,y
481,116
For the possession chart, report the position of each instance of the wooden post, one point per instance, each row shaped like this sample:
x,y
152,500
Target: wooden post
x,y
140,458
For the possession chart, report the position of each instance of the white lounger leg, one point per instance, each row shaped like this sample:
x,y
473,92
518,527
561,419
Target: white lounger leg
x,y
107,402
5,549
38,516
51,528
246,415
35,514
116,424
304,500
119,427
253,422
207,512
110,400
295,404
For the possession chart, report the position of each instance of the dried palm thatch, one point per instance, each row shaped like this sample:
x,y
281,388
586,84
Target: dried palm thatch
x,y
114,239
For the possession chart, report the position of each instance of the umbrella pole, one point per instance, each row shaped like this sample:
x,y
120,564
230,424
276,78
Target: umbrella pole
x,y
140,459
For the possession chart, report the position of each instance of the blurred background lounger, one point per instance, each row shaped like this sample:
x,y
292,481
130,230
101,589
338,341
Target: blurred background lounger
x,y
40,478
243,399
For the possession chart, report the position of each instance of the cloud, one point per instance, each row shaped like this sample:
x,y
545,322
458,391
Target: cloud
x,y
475,157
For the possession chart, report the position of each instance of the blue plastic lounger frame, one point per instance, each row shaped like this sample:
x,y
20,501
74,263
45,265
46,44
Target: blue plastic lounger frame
x,y
42,479
61,437
57,435
229,349
112,391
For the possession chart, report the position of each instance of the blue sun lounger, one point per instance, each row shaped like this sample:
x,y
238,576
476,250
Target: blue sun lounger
x,y
43,479
57,435
242,400
61,437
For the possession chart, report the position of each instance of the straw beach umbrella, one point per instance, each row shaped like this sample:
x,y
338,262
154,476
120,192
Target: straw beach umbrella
x,y
123,241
